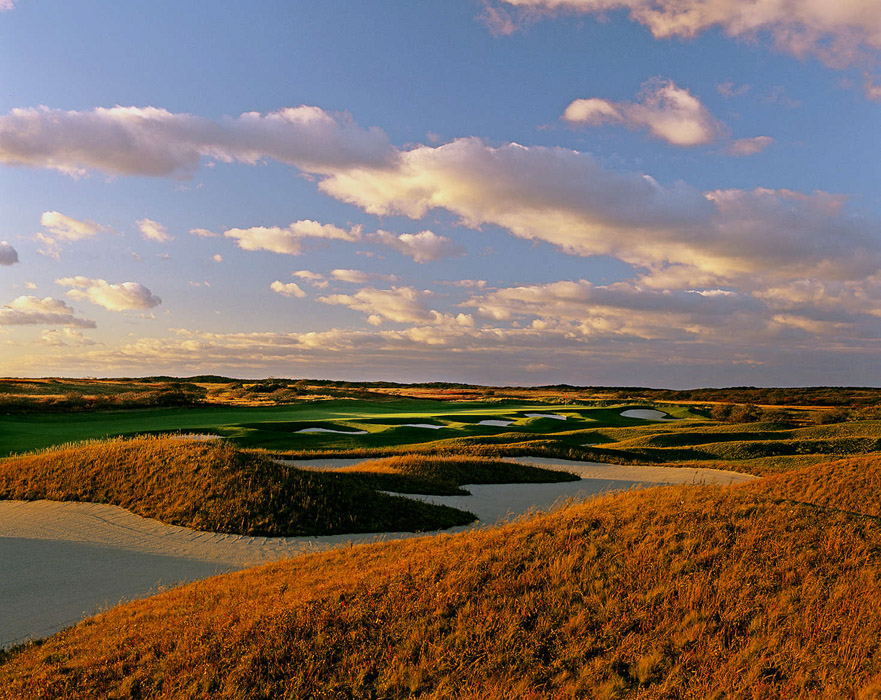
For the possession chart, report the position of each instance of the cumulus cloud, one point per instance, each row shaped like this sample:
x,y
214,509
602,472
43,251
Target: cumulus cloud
x,y
289,240
398,304
359,276
204,233
668,111
32,311
125,296
66,228
567,198
155,142
839,33
153,231
8,254
623,308
291,289
423,247
64,338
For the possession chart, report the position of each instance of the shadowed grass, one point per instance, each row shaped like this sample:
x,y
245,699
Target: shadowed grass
x,y
444,475
215,487
676,592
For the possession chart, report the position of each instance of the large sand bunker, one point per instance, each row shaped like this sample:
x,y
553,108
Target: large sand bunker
x,y
64,561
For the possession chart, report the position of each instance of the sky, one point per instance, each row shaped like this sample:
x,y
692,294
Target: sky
x,y
665,193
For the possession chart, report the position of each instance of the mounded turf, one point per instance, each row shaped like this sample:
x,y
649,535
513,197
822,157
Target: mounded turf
x,y
216,487
677,592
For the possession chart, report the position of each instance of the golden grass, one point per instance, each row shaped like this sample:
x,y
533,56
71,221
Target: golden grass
x,y
676,592
852,485
216,487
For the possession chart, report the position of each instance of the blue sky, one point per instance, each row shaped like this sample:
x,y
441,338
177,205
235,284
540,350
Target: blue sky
x,y
523,191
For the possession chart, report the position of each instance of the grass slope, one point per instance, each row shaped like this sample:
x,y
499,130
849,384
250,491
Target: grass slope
x,y
677,592
215,487
444,475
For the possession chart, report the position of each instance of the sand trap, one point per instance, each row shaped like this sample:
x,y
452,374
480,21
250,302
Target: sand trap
x,y
432,426
328,430
645,414
64,561
61,562
496,423
638,474
555,416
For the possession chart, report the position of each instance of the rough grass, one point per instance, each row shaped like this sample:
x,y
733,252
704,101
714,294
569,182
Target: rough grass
x,y
852,485
677,592
215,487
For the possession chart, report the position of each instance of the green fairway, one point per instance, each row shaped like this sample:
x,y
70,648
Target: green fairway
x,y
276,427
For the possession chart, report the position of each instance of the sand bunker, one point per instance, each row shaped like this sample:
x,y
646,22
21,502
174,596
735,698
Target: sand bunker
x,y
496,423
639,473
329,430
64,561
432,426
645,414
555,416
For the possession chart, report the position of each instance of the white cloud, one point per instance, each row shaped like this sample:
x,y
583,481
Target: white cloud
x,y
359,276
204,233
668,111
48,246
308,275
66,228
570,200
64,338
125,296
749,146
289,240
155,142
398,304
291,289
623,308
153,231
6,5
8,254
423,247
30,311
839,33
217,257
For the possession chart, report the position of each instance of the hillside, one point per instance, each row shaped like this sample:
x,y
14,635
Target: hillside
x,y
690,592
215,487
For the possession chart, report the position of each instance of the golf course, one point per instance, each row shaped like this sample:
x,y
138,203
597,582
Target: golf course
x,y
563,542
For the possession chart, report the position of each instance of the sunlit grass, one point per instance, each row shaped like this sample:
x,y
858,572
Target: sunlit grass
x,y
691,592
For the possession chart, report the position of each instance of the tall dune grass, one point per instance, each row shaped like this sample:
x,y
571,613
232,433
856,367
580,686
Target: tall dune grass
x,y
216,487
675,592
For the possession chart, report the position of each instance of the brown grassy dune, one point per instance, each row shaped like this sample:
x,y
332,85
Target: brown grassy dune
x,y
215,487
852,485
676,592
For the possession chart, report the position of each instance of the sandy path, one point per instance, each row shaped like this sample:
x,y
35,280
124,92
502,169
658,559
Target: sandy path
x,y
60,562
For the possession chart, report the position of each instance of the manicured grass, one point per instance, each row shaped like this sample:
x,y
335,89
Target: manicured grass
x,y
272,427
217,488
677,592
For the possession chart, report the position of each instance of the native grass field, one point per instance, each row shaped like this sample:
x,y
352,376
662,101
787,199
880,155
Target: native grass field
x,y
765,583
